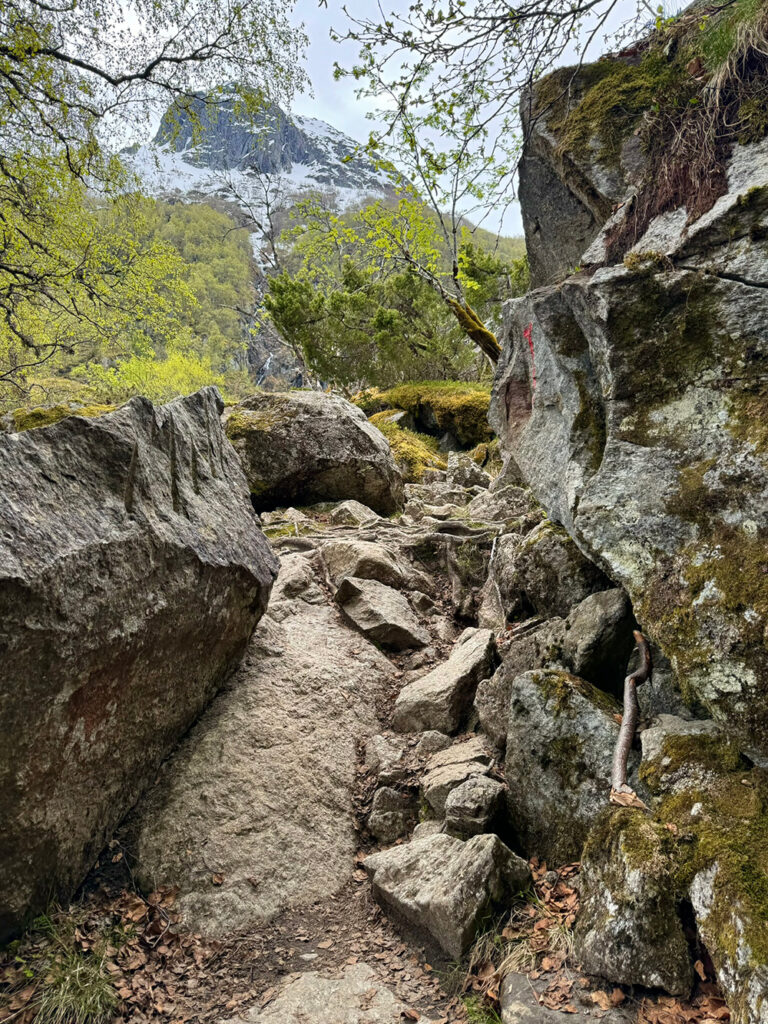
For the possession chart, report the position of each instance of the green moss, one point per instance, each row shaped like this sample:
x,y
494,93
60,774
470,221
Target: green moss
x,y
730,830
437,406
413,453
44,416
614,95
558,688
714,754
640,840
242,422
488,456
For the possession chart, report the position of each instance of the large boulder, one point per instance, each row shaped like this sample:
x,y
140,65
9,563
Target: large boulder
x,y
132,573
442,698
444,888
561,734
628,929
306,446
642,430
543,573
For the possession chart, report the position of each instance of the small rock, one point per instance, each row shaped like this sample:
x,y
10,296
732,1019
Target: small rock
x,y
445,887
383,751
598,639
423,603
464,472
431,742
352,513
448,769
392,814
427,828
441,699
364,560
380,613
471,808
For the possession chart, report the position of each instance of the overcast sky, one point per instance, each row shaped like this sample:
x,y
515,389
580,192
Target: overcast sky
x,y
336,103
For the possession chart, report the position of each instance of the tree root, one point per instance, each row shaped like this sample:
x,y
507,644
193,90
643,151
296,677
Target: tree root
x,y
621,792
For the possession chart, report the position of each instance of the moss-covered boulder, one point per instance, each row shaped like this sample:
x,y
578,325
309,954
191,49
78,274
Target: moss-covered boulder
x,y
454,411
132,573
30,418
633,398
703,846
302,447
414,453
629,931
561,733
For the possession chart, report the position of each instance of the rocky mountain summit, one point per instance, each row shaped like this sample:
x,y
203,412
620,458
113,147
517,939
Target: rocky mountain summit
x,y
214,149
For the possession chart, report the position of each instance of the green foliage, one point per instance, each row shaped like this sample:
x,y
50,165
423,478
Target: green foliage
x,y
78,272
160,380
366,295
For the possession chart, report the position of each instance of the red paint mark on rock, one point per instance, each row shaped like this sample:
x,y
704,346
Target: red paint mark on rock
x,y
528,335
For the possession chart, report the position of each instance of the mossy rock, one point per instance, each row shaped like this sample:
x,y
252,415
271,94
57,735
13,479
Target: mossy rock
x,y
44,416
437,407
414,453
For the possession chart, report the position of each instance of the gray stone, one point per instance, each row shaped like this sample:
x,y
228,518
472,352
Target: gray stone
x,y
352,513
392,814
308,446
432,741
540,646
628,929
444,887
366,560
598,639
543,573
382,752
472,807
357,996
660,475
430,827
561,733
132,572
380,613
465,472
449,769
441,699
271,767
519,1003
502,505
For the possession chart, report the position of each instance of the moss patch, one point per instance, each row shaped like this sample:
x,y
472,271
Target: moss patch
x,y
242,422
437,407
44,416
714,754
414,453
559,687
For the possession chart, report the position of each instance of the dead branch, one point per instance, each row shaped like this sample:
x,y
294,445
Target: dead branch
x,y
621,792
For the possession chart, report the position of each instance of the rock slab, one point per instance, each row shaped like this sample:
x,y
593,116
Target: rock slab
x,y
443,887
132,573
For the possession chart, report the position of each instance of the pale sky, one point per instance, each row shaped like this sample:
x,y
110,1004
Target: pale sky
x,y
335,102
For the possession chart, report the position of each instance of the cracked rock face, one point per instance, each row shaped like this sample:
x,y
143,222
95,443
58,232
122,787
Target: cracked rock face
x,y
132,572
643,433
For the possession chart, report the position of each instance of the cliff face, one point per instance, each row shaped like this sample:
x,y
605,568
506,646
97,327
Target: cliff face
x,y
201,148
633,394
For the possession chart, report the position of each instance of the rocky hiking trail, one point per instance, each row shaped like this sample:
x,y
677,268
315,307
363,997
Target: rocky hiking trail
x,y
335,824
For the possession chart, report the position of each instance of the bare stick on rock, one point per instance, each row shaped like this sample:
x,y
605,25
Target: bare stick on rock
x,y
621,792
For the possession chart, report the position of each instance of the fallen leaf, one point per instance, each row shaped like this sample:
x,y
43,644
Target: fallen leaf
x,y
699,968
630,799
410,1015
217,879
617,997
326,944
